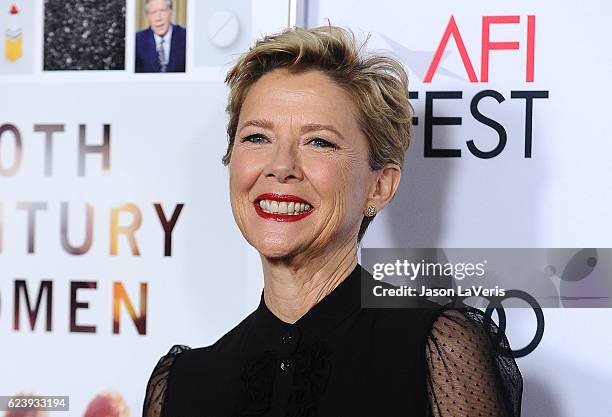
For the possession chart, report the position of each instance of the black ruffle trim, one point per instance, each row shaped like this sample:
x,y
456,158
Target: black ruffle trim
x,y
312,370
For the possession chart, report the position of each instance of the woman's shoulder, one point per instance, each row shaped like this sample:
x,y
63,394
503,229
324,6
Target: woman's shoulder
x,y
466,355
154,402
433,323
226,346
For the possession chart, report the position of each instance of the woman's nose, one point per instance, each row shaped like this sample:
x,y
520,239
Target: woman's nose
x,y
284,163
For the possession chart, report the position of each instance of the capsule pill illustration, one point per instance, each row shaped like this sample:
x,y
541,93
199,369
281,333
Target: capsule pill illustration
x,y
13,42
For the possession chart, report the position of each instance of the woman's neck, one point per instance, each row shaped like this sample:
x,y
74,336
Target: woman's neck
x,y
291,289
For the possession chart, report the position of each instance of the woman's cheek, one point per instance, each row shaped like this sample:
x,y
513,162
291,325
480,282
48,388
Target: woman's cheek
x,y
243,171
335,193
239,188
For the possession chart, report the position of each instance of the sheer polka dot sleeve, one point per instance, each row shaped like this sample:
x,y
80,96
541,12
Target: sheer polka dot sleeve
x,y
154,402
471,371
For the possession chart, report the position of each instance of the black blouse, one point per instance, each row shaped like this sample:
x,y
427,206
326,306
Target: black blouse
x,y
340,360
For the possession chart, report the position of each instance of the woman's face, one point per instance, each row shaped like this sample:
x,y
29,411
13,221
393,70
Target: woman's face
x,y
299,173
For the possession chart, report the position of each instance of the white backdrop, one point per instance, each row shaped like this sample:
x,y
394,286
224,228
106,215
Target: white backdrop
x,y
167,136
560,197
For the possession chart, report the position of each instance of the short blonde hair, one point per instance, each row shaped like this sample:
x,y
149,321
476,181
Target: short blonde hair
x,y
377,83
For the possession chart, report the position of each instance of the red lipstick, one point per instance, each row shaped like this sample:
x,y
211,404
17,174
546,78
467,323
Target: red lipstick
x,y
279,217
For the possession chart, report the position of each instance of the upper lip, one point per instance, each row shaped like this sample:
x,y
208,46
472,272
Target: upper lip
x,y
281,197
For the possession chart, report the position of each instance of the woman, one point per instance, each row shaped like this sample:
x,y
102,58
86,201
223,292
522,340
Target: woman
x,y
317,136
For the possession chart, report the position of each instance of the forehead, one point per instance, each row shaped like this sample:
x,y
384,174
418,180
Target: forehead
x,y
311,97
157,4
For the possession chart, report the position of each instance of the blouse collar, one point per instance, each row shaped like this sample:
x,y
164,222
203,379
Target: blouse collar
x,y
323,317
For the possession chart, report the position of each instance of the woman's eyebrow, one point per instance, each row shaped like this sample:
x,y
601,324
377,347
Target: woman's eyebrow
x,y
312,127
263,123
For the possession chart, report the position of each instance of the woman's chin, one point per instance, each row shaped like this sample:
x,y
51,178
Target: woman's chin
x,y
277,248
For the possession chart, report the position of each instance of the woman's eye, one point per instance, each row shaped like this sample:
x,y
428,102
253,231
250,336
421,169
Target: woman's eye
x,y
255,138
322,143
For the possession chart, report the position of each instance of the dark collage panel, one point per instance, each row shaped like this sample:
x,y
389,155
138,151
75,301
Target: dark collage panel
x,y
84,35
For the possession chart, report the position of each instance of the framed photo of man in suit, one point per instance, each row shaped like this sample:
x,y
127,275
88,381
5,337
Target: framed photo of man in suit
x,y
161,42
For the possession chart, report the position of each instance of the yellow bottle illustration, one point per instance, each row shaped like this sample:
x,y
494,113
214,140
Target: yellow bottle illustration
x,y
13,42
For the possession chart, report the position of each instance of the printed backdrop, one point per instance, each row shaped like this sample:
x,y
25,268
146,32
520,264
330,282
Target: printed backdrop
x,y
116,234
511,150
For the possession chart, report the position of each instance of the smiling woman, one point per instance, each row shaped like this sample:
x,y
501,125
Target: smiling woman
x,y
317,134
298,139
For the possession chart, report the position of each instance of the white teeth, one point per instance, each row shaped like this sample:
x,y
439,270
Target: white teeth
x,y
283,207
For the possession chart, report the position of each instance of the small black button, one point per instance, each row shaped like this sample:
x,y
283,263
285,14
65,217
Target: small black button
x,y
286,339
285,365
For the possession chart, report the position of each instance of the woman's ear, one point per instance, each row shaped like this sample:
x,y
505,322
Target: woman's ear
x,y
385,187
